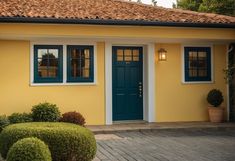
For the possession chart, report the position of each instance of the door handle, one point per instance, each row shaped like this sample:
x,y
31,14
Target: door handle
x,y
140,89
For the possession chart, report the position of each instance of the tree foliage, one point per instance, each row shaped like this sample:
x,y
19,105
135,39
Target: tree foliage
x,y
192,5
225,7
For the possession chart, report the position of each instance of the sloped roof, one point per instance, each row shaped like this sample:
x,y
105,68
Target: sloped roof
x,y
110,10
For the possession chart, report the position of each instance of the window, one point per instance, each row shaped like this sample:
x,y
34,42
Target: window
x,y
197,62
127,55
48,63
80,63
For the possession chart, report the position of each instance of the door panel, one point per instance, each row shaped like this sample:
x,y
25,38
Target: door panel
x,y
127,83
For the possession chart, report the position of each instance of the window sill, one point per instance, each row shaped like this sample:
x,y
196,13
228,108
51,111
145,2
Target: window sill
x,y
199,82
65,84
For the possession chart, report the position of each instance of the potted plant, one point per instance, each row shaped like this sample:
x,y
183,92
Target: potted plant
x,y
215,98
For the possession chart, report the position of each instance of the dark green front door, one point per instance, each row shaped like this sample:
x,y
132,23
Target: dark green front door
x,y
127,83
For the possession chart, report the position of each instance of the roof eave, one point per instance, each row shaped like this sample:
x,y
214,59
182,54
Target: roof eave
x,y
113,22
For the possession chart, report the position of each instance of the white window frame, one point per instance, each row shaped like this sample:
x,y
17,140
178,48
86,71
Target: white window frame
x,y
64,44
183,65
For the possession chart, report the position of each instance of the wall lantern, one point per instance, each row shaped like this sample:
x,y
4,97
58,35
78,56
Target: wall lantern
x,y
162,54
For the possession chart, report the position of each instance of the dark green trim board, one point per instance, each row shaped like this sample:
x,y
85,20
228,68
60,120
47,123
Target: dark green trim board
x,y
189,78
231,64
112,22
91,63
59,78
127,83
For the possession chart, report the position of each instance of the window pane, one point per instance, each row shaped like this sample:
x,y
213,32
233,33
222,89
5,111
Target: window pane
x,y
193,64
202,73
40,62
202,55
135,58
119,55
74,68
85,73
75,54
136,53
193,73
48,63
192,55
202,64
53,62
87,63
53,53
42,52
82,54
42,68
42,72
52,72
87,53
128,55
75,72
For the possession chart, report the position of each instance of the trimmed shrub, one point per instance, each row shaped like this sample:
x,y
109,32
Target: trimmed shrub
x,y
29,149
67,142
45,112
73,117
20,118
3,122
215,97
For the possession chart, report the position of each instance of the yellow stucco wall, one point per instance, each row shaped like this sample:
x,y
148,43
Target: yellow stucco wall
x,y
16,94
176,101
55,30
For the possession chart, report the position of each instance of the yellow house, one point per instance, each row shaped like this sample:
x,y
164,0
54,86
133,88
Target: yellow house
x,y
112,60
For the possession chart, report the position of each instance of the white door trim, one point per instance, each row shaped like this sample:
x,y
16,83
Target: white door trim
x,y
108,84
151,82
148,81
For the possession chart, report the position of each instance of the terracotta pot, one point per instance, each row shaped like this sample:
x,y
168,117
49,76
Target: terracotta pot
x,y
216,114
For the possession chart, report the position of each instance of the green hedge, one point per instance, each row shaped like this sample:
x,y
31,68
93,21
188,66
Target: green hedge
x,y
29,149
20,118
66,141
3,122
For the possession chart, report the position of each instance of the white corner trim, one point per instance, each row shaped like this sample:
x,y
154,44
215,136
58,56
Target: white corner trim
x,y
182,63
108,84
64,44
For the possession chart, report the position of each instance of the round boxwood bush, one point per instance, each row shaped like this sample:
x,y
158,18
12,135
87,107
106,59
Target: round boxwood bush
x,y
215,97
73,117
67,142
29,149
45,112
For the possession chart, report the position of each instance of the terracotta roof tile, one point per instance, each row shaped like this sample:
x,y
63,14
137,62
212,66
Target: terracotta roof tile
x,y
106,10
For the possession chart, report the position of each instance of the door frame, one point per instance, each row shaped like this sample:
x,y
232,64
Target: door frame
x,y
148,80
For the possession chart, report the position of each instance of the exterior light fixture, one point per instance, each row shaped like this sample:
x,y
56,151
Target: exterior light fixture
x,y
162,54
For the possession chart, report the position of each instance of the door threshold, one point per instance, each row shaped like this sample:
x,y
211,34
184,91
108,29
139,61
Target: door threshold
x,y
130,122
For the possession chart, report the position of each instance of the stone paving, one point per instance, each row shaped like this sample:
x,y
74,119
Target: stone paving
x,y
167,145
143,126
